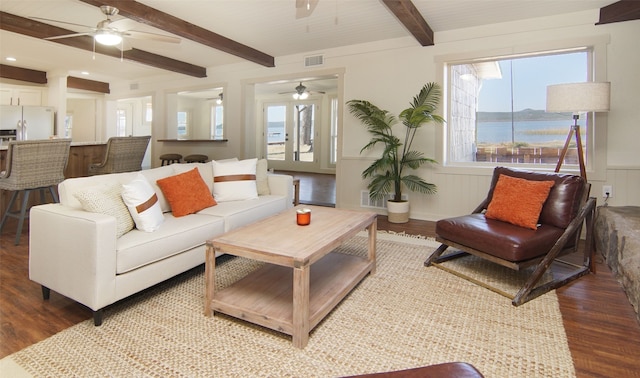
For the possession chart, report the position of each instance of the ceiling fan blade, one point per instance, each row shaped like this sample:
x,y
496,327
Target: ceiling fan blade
x,y
304,8
150,36
67,36
62,22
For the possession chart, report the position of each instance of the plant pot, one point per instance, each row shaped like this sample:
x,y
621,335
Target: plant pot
x,y
398,212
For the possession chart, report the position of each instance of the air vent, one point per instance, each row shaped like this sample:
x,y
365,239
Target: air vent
x,y
312,61
133,86
366,201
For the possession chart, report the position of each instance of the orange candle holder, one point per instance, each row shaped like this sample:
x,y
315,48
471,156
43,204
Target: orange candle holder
x,y
303,216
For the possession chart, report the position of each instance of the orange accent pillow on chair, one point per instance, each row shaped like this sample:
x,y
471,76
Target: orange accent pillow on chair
x,y
518,201
187,193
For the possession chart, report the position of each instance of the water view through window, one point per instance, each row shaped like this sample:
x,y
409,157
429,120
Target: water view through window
x,y
498,108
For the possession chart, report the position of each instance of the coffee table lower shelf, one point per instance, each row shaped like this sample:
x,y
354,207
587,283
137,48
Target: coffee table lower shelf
x,y
265,296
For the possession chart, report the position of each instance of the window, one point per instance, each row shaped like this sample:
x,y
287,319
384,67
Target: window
x,y
148,114
183,124
121,122
333,149
68,125
217,122
497,106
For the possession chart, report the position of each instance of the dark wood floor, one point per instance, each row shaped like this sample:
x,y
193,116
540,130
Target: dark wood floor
x,y
601,326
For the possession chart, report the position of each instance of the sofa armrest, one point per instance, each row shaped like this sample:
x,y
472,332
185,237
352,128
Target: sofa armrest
x,y
281,185
73,252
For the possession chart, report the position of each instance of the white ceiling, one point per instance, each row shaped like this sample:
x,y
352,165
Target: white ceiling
x,y
269,26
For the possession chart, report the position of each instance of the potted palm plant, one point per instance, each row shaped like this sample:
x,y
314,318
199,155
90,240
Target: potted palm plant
x,y
392,171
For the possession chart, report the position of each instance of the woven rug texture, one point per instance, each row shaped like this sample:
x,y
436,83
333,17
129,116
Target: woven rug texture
x,y
404,316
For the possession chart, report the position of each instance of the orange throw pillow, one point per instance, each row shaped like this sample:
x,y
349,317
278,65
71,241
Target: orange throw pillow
x,y
187,193
518,201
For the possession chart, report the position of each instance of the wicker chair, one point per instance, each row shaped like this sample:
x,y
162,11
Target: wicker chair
x,y
32,165
124,154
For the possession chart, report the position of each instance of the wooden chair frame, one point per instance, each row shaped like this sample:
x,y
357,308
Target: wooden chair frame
x,y
529,291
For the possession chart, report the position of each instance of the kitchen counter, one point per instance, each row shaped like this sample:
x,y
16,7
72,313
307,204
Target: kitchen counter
x,y
3,147
81,155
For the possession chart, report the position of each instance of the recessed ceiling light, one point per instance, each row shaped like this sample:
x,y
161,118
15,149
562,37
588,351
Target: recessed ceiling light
x,y
84,73
11,59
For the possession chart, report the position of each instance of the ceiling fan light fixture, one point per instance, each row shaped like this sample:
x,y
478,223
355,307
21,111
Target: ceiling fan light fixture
x,y
108,38
301,92
301,96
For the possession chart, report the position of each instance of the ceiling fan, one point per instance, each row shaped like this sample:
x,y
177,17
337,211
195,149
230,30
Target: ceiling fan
x,y
107,34
301,92
304,8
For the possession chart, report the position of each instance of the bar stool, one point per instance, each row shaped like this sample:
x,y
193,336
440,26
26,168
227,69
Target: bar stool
x,y
170,158
36,165
196,158
124,154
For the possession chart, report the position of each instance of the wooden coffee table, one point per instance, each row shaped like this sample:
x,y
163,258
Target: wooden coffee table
x,y
302,280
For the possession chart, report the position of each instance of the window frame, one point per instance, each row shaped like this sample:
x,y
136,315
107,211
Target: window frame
x,y
597,147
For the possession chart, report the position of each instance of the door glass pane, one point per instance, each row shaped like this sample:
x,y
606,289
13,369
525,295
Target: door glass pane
x,y
276,132
303,118
121,122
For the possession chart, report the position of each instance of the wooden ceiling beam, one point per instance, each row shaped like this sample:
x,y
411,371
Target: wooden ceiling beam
x,y
411,18
87,85
40,77
150,16
23,74
624,10
36,29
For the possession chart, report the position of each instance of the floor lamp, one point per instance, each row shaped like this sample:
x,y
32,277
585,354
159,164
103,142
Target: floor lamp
x,y
577,98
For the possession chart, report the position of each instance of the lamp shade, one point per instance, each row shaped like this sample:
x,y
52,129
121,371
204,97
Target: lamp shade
x,y
578,97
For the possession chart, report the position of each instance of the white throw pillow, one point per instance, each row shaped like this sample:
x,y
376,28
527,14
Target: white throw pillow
x,y
107,199
234,180
142,202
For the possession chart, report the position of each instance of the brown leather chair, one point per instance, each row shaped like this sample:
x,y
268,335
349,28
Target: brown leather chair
x,y
444,370
560,222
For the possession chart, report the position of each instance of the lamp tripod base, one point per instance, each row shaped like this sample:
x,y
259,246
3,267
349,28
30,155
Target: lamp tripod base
x,y
575,130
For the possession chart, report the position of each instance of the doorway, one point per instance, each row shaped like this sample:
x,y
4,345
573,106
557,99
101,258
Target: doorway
x,y
134,116
291,136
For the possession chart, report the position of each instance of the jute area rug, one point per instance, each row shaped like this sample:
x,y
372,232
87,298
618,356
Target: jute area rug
x,y
404,316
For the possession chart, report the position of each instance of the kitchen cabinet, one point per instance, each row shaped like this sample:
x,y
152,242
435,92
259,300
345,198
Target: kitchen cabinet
x,y
20,96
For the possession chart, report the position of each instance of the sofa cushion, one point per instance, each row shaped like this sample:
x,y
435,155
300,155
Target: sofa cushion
x,y
107,199
205,169
504,240
176,235
262,181
240,213
186,192
68,187
142,202
155,174
234,180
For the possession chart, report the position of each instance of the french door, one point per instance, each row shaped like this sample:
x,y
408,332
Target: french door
x,y
290,135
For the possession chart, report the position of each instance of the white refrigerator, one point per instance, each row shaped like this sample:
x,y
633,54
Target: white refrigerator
x,y
30,122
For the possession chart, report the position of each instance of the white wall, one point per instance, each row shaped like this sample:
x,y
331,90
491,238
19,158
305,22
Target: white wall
x,y
389,73
84,119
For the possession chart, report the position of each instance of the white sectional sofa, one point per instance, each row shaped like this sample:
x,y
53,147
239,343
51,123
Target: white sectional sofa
x,y
76,253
